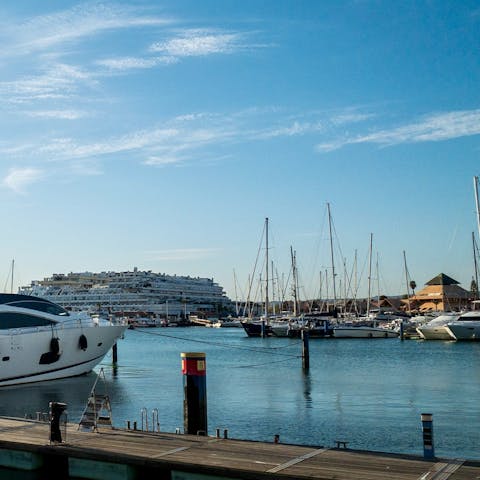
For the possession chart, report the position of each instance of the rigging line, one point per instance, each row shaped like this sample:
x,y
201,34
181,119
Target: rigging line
x,y
255,266
270,350
263,364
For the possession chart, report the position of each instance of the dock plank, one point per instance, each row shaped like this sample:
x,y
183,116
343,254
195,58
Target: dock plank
x,y
229,457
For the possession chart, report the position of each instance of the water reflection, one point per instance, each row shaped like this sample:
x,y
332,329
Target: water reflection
x,y
27,400
307,389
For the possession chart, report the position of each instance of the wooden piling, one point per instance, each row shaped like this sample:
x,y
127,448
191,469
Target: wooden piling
x,y
114,354
305,351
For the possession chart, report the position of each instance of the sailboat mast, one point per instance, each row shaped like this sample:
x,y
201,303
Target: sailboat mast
x,y
331,253
236,294
477,205
475,263
266,269
378,286
294,275
370,276
406,281
11,282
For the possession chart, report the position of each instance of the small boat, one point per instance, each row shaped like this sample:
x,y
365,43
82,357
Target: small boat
x,y
316,325
257,328
40,340
361,330
231,323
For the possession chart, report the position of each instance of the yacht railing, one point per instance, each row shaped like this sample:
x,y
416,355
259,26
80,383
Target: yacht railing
x,y
64,325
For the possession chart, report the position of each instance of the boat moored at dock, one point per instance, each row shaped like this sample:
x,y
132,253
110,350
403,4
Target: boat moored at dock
x,y
437,329
39,340
467,327
363,331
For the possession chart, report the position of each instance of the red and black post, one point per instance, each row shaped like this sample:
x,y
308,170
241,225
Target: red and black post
x,y
195,393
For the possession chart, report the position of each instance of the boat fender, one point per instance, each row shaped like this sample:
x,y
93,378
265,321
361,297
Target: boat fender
x,y
53,354
54,346
82,342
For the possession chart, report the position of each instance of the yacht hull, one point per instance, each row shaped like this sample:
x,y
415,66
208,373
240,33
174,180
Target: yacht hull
x,y
434,333
468,331
44,353
363,332
254,329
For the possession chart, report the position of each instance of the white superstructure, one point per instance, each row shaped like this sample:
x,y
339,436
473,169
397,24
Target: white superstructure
x,y
130,292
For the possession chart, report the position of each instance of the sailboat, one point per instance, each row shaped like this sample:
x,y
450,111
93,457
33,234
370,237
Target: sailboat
x,y
364,327
316,324
261,327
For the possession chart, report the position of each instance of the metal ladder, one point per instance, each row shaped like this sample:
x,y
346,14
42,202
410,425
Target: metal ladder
x,y
98,410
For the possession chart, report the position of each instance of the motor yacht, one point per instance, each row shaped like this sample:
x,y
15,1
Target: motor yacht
x,y
467,327
437,329
40,340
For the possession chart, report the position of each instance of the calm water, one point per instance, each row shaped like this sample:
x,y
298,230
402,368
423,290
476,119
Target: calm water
x,y
368,392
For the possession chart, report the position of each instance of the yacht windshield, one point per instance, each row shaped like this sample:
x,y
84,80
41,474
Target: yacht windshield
x,y
32,303
21,320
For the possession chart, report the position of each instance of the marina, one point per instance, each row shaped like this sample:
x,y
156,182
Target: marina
x,y
367,393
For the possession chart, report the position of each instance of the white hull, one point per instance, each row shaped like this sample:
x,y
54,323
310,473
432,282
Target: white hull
x,y
468,330
22,349
363,332
434,333
280,330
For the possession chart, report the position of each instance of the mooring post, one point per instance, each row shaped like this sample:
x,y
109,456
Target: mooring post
x,y
427,430
56,410
402,333
195,393
305,350
262,333
114,354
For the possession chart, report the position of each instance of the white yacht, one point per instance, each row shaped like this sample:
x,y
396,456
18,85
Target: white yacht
x,y
39,340
363,331
467,327
437,329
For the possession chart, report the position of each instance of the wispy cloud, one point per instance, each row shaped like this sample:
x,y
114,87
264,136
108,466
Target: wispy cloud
x,y
197,42
294,129
59,81
122,64
182,254
59,114
430,128
84,20
18,179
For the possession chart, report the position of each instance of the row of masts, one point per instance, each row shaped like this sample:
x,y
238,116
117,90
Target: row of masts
x,y
295,278
295,281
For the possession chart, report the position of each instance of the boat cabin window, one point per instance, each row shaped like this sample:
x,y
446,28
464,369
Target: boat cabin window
x,y
41,306
21,320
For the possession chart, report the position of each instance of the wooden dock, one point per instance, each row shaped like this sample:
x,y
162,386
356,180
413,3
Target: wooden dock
x,y
127,454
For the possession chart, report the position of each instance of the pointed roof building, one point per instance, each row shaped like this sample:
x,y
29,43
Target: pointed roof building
x,y
442,279
441,293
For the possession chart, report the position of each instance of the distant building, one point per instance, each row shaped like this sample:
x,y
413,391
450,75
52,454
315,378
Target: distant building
x,y
441,293
132,293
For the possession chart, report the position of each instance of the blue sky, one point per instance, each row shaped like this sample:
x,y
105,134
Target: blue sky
x,y
160,135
